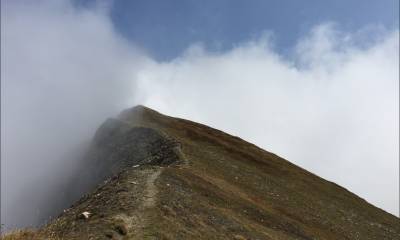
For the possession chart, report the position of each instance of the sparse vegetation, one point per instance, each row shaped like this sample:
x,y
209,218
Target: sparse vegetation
x,y
22,234
195,182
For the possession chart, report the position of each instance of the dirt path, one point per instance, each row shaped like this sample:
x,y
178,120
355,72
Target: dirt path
x,y
137,222
151,190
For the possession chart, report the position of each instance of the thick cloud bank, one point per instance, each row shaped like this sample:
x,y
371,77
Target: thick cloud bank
x,y
330,107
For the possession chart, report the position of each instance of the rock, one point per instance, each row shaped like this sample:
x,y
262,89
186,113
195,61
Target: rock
x,y
85,215
121,229
239,237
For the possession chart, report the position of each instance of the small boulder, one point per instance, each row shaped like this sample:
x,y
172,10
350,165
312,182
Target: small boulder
x,y
85,215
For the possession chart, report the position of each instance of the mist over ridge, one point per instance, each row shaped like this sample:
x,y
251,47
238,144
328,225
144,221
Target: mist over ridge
x,y
331,106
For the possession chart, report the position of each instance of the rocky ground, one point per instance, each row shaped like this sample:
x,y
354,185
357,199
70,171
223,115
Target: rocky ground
x,y
158,177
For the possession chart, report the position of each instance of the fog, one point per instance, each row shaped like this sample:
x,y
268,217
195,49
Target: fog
x,y
330,106
64,71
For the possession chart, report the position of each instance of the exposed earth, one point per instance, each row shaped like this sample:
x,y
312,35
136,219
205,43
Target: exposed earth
x,y
152,176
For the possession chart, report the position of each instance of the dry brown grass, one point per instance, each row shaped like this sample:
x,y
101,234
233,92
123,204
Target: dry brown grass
x,y
224,188
28,234
22,234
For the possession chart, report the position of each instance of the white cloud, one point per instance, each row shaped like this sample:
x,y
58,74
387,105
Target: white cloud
x,y
332,107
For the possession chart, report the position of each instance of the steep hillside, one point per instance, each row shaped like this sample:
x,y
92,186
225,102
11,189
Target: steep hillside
x,y
169,178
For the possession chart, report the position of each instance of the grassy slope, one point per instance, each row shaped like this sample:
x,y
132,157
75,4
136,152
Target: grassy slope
x,y
225,188
232,188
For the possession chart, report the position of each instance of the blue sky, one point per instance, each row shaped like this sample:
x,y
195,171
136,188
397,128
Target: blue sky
x,y
166,28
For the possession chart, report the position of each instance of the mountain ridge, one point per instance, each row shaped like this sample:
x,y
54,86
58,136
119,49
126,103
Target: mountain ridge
x,y
170,178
